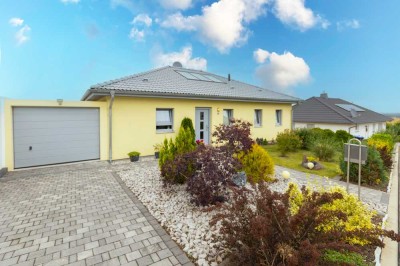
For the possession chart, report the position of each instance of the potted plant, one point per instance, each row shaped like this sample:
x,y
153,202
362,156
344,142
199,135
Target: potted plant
x,y
134,156
157,148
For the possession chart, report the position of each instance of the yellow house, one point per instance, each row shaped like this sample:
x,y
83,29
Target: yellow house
x,y
134,113
146,108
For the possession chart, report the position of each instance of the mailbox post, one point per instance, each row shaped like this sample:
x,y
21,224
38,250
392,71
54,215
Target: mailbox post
x,y
355,153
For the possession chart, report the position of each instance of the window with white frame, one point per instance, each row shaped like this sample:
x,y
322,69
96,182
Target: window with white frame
x,y
227,116
278,115
257,118
164,120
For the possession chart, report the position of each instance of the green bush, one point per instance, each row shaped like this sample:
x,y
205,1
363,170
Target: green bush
x,y
372,173
187,123
333,257
325,148
307,137
394,130
257,164
133,154
342,136
288,141
327,133
175,166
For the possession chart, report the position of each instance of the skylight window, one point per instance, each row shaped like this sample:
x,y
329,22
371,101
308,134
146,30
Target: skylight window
x,y
198,76
349,107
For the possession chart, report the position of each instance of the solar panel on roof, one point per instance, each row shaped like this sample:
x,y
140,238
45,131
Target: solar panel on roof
x,y
187,75
349,107
198,76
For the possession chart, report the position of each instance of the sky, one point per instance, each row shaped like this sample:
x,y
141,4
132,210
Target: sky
x,y
51,49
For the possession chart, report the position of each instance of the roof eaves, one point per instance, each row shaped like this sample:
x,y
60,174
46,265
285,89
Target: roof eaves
x,y
90,94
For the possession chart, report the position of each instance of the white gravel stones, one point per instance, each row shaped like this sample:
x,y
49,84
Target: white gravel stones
x,y
186,223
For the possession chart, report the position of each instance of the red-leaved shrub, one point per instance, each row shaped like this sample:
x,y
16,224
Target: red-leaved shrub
x,y
259,228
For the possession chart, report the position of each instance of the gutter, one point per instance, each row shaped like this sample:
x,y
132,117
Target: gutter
x,y
92,93
112,94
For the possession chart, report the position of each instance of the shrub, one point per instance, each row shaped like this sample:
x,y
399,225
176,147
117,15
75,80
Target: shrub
x,y
259,229
261,141
336,258
307,137
327,133
288,141
176,162
180,169
342,136
187,123
381,140
209,185
372,173
324,149
393,129
386,157
235,137
358,217
133,154
257,164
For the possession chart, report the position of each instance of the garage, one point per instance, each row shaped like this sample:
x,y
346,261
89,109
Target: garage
x,y
49,135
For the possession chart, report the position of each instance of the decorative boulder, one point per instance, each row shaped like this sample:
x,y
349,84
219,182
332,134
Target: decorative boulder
x,y
306,162
240,179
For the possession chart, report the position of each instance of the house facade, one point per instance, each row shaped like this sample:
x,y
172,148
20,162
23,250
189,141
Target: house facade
x,y
135,113
337,114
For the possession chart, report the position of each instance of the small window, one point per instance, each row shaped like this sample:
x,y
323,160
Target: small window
x,y
309,126
257,118
278,114
228,115
366,128
164,120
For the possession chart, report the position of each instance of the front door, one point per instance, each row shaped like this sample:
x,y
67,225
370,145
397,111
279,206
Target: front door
x,y
203,124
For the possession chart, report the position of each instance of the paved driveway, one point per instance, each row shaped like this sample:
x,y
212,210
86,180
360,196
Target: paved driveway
x,y
79,215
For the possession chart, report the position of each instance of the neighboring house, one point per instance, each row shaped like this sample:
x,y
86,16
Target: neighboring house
x,y
135,113
338,114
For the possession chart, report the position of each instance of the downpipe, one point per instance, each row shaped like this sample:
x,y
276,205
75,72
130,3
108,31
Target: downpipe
x,y
112,94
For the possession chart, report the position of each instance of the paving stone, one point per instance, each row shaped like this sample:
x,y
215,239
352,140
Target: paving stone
x,y
164,262
79,215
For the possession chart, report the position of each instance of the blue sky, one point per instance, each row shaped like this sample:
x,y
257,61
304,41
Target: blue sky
x,y
57,48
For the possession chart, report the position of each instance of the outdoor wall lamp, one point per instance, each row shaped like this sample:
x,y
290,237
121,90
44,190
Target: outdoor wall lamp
x,y
218,110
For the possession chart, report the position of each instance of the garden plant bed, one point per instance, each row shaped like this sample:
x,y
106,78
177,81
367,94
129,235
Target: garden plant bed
x,y
187,223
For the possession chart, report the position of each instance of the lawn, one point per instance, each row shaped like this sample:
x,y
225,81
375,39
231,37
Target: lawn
x,y
293,160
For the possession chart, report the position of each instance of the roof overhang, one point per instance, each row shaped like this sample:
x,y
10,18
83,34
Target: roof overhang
x,y
94,94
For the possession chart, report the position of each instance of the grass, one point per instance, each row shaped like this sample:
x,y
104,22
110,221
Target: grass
x,y
293,160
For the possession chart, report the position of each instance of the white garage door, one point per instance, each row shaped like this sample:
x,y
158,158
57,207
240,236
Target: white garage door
x,y
45,136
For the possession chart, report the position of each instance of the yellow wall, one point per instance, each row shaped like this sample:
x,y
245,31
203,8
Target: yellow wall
x,y
134,120
9,104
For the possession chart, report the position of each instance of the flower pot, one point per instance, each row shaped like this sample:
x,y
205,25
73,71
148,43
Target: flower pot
x,y
134,158
157,154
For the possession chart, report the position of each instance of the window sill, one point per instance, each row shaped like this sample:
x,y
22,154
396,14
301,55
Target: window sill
x,y
165,131
278,125
257,126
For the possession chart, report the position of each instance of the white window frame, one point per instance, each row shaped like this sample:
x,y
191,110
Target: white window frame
x,y
169,124
230,116
258,118
278,117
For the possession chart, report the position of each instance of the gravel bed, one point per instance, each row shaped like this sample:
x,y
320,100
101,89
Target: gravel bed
x,y
187,223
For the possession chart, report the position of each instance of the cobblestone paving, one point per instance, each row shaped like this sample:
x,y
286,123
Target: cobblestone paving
x,y
78,214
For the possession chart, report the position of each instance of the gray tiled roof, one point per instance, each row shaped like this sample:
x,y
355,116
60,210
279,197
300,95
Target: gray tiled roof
x,y
166,82
325,110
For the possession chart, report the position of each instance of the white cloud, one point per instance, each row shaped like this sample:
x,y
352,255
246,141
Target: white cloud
x,y
176,4
142,19
283,71
22,34
221,24
70,1
294,13
128,4
260,55
352,24
136,34
184,56
16,22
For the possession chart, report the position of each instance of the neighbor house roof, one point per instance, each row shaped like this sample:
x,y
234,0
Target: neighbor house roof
x,y
334,111
177,82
